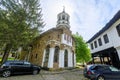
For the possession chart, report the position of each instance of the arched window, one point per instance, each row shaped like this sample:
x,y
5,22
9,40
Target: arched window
x,y
47,53
63,17
56,54
73,58
66,58
65,37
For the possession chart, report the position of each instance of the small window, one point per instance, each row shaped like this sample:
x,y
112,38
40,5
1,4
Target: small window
x,y
63,17
99,42
118,29
36,56
95,43
106,38
92,46
65,37
49,37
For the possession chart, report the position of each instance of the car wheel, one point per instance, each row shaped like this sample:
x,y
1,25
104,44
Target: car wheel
x,y
6,73
35,72
100,78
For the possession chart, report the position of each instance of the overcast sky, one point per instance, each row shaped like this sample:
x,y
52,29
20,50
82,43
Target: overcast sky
x,y
87,17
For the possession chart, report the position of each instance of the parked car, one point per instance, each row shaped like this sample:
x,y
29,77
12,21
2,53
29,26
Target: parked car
x,y
18,67
101,72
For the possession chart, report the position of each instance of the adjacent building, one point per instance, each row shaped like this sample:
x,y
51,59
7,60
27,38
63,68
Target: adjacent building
x,y
55,48
106,43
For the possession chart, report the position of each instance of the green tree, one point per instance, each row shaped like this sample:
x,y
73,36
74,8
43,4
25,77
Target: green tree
x,y
20,22
82,51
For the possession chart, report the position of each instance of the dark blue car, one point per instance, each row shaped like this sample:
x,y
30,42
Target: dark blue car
x,y
18,67
101,72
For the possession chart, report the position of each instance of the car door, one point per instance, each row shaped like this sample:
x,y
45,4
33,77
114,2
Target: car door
x,y
17,67
116,75
113,74
27,67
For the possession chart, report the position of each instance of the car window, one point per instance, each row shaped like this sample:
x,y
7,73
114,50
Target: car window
x,y
113,68
16,63
26,63
101,68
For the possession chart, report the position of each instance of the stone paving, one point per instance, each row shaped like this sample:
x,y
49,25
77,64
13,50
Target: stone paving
x,y
75,74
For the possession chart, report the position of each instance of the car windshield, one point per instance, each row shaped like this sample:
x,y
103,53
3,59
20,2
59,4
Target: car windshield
x,y
113,68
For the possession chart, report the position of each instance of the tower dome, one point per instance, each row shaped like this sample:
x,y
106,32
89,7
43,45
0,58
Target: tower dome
x,y
63,19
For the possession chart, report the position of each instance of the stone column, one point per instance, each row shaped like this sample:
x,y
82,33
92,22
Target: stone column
x,y
51,58
61,59
43,58
69,59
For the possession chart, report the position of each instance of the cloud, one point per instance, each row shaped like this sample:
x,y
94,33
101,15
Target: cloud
x,y
86,16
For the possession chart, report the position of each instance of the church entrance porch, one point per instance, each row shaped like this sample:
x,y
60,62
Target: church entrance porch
x,y
55,58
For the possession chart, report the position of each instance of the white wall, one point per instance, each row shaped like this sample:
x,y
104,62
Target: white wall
x,y
63,41
114,39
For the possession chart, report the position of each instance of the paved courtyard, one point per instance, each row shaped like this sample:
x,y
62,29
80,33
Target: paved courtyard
x,y
48,75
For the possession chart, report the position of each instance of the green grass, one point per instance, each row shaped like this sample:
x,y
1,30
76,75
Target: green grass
x,y
11,58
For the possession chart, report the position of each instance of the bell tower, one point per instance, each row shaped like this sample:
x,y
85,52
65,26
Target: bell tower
x,y
63,19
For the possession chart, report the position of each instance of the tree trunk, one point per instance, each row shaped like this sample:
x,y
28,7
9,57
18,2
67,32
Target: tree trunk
x,y
6,53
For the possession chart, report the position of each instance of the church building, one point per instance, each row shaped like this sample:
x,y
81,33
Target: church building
x,y
55,48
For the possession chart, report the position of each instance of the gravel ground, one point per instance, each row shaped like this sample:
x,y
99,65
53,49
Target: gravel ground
x,y
50,75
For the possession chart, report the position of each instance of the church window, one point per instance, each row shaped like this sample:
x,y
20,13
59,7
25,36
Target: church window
x,y
63,17
49,37
56,54
118,29
36,56
47,54
67,19
65,36
66,58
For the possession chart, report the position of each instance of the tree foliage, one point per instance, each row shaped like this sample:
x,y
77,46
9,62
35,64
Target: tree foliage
x,y
20,22
82,51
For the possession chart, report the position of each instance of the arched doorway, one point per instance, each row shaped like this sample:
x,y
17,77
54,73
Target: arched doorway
x,y
46,56
56,57
66,58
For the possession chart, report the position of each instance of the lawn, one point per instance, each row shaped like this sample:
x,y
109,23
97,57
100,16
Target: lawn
x,y
10,58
